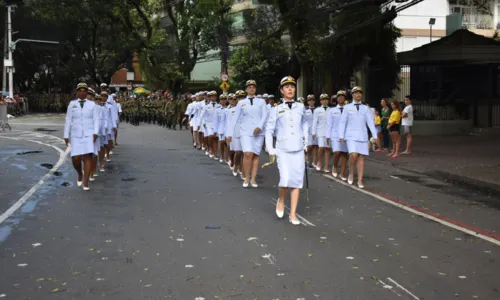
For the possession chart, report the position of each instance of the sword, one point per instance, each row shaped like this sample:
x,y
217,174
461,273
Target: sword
x,y
307,182
272,160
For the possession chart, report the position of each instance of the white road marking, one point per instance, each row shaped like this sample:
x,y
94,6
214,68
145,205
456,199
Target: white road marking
x,y
402,288
303,220
28,194
414,211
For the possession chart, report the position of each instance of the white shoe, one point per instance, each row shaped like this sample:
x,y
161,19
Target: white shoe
x,y
235,174
96,174
335,175
241,176
318,169
110,152
254,185
108,160
215,157
102,170
206,153
86,188
343,178
91,179
361,186
221,161
210,155
350,181
279,214
79,183
229,163
245,185
294,222
203,148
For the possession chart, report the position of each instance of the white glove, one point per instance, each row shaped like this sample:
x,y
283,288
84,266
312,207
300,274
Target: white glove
x,y
373,140
271,151
305,145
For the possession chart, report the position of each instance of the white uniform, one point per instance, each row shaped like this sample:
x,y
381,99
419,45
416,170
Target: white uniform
x,y
291,129
332,132
195,113
80,126
201,121
220,122
250,114
103,128
235,144
189,112
353,127
208,118
319,125
111,122
309,113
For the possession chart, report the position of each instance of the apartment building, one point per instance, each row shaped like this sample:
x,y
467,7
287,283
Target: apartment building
x,y
479,16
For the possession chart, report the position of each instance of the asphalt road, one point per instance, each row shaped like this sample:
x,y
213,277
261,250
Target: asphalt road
x,y
141,232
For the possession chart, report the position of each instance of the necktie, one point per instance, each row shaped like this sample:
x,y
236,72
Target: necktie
x,y
289,104
357,106
325,107
341,110
251,101
82,102
213,104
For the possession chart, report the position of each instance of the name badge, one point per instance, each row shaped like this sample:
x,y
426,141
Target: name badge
x,y
74,106
281,111
243,105
352,110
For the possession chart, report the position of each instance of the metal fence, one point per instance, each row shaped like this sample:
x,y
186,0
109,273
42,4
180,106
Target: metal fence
x,y
428,109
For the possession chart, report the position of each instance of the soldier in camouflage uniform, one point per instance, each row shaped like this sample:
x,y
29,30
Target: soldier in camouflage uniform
x,y
183,103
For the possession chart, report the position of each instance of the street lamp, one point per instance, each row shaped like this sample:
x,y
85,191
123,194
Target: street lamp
x,y
432,21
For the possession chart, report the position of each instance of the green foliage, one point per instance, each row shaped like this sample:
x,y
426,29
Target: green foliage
x,y
264,58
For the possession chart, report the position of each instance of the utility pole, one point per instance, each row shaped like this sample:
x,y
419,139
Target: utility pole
x,y
5,49
11,62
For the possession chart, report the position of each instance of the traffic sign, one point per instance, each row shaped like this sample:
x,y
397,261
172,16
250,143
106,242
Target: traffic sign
x,y
224,77
225,86
129,87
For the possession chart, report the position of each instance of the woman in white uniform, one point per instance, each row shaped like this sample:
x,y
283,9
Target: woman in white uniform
x,y
220,127
103,129
290,123
339,149
235,142
319,133
353,125
312,145
80,131
251,113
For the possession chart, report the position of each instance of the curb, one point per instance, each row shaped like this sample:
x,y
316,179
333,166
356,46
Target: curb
x,y
448,177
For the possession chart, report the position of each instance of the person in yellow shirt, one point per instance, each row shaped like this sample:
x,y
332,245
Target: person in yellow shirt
x,y
393,127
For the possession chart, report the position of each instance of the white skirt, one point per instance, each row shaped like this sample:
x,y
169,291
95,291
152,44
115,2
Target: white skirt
x,y
190,123
291,166
235,144
310,141
322,142
81,146
358,147
209,131
337,146
252,144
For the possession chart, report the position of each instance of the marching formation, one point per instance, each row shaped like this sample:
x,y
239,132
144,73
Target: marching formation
x,y
235,129
91,131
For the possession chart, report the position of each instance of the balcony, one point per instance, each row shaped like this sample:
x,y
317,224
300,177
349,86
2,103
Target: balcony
x,y
472,22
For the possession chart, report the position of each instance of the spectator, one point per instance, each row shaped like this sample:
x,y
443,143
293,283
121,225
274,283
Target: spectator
x,y
393,127
407,123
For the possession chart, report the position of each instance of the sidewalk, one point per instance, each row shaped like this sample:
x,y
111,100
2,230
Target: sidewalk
x,y
470,160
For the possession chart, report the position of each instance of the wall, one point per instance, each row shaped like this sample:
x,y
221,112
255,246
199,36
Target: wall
x,y
414,23
441,127
418,15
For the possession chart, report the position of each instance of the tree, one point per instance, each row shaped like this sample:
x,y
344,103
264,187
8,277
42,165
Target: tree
x,y
264,58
